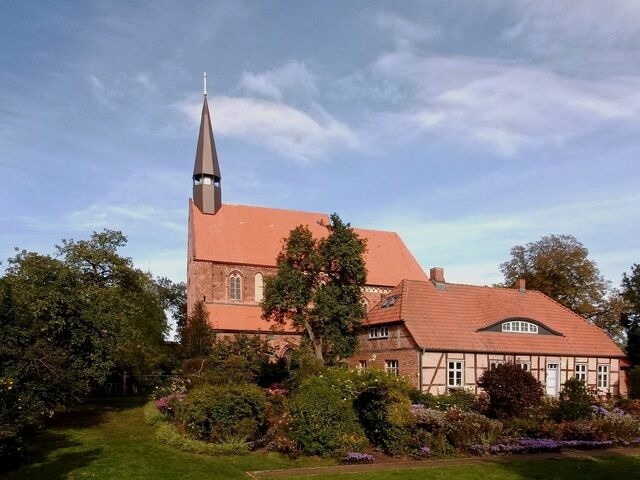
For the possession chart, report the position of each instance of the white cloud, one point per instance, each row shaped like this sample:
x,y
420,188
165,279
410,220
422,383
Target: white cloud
x,y
119,217
501,105
291,132
292,77
572,33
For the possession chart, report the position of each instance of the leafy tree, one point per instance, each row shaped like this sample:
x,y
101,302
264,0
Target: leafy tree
x,y
51,350
318,288
511,390
125,299
197,337
559,266
630,318
173,297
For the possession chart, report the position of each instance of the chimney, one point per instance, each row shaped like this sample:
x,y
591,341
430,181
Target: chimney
x,y
436,275
521,285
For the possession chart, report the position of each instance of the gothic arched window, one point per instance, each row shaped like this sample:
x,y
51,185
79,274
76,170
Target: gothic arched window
x,y
365,303
235,286
259,287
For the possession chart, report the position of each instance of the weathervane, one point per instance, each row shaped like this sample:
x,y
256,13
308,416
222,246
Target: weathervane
x,y
205,84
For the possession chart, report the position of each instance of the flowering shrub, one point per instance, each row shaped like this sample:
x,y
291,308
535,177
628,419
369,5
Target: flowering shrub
x,y
540,445
176,385
461,429
168,405
617,425
357,458
519,446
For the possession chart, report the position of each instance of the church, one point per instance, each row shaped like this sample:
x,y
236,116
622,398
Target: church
x,y
232,248
439,335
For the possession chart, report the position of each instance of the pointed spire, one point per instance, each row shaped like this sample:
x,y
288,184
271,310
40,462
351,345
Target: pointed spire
x,y
206,171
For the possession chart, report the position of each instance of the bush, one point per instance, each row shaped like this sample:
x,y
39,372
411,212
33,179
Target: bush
x,y
634,382
323,421
575,401
458,398
512,391
218,413
461,429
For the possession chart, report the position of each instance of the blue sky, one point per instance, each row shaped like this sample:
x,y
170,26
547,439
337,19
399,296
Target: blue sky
x,y
468,127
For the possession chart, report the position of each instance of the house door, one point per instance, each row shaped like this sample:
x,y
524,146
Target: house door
x,y
552,379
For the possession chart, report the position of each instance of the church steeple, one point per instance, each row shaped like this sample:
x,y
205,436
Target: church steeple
x,y
207,190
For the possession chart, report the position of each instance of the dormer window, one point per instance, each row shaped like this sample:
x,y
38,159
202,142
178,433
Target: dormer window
x,y
378,332
519,326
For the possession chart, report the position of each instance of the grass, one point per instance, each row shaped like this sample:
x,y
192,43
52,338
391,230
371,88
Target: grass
x,y
605,468
109,439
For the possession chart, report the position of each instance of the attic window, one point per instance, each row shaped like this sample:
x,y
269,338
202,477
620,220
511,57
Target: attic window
x,y
518,326
379,332
389,301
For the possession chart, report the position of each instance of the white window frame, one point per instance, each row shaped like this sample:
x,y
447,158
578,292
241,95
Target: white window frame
x,y
392,367
526,366
494,363
603,376
455,373
519,326
235,287
582,371
378,332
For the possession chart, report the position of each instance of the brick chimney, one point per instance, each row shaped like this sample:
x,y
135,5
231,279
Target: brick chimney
x,y
436,275
521,285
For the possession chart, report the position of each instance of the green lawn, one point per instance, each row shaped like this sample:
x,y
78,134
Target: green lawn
x,y
606,468
111,441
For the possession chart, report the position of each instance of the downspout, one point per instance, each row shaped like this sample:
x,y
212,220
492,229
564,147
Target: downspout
x,y
420,367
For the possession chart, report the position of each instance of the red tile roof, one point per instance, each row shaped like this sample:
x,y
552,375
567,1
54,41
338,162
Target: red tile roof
x,y
449,319
233,317
249,235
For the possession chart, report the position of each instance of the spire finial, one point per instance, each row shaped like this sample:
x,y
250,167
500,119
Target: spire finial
x,y
205,84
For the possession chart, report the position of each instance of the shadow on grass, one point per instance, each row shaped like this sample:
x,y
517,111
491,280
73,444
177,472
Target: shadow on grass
x,y
92,412
41,460
57,467
570,466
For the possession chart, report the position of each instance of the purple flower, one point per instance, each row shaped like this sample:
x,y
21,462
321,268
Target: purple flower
x,y
356,457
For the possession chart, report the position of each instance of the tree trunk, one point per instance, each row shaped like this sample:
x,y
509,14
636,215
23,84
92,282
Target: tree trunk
x,y
316,344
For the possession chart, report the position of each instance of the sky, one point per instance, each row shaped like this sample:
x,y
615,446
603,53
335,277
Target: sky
x,y
467,127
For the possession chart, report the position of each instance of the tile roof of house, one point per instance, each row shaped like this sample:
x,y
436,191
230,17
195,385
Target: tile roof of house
x,y
232,317
450,318
240,234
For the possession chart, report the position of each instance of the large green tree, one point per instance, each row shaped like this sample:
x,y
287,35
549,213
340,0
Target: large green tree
x,y
630,318
318,288
51,349
125,299
559,266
